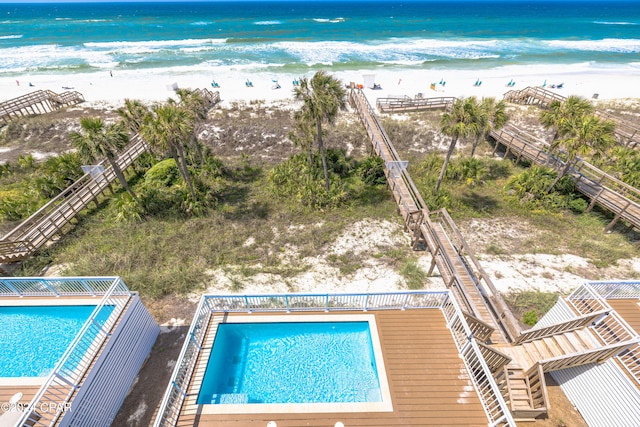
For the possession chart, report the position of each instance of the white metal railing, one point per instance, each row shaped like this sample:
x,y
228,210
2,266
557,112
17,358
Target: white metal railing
x,y
70,371
616,289
612,329
58,286
488,391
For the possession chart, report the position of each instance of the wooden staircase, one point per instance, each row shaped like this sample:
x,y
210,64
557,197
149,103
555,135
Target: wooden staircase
x,y
560,346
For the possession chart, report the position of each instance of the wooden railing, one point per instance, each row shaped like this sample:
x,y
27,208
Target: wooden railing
x,y
603,189
37,102
500,310
613,328
495,360
50,219
391,105
533,95
628,133
596,355
480,329
560,328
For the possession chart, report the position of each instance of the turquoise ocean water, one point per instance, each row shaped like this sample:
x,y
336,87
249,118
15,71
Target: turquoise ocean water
x,y
298,37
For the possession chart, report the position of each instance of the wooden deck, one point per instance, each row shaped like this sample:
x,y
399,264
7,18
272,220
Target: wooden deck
x,y
629,309
428,382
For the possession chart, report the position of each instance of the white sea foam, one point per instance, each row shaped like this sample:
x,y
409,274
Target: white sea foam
x,y
154,43
330,21
268,22
12,36
615,23
604,45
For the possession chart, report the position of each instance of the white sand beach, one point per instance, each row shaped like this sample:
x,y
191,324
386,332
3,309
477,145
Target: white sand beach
x,y
113,87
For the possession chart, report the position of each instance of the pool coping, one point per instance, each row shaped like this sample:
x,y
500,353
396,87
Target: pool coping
x,y
261,408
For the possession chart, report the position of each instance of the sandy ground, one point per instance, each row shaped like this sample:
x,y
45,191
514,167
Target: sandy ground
x,y
156,85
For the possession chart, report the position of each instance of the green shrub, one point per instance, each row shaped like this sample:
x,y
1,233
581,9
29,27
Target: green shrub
x,y
414,276
371,171
163,174
530,318
468,169
578,205
294,179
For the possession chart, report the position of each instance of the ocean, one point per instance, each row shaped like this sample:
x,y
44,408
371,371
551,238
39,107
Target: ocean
x,y
297,37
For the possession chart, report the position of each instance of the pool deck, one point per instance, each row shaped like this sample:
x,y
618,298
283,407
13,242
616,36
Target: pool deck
x,y
629,309
428,381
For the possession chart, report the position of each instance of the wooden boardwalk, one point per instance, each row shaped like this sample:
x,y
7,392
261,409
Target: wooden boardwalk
x,y
51,219
428,381
601,188
402,104
518,359
37,102
437,232
628,133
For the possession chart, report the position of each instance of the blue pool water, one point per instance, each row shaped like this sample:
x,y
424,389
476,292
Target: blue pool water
x,y
34,338
314,362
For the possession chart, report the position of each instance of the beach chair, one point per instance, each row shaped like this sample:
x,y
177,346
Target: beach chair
x,y
248,83
432,86
560,86
276,85
478,82
214,84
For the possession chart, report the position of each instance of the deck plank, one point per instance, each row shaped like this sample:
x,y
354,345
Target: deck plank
x,y
428,382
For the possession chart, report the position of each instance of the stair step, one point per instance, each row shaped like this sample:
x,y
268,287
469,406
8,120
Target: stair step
x,y
553,346
563,342
576,342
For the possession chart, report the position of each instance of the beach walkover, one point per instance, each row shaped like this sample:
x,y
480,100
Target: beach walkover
x,y
517,359
50,220
604,190
38,102
628,133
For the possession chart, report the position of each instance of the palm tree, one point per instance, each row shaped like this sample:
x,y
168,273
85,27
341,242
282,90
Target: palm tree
x,y
196,106
303,134
323,97
586,134
133,114
489,116
459,122
169,128
559,116
98,140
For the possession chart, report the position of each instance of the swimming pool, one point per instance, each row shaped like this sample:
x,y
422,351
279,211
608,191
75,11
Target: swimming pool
x,y
291,362
34,338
